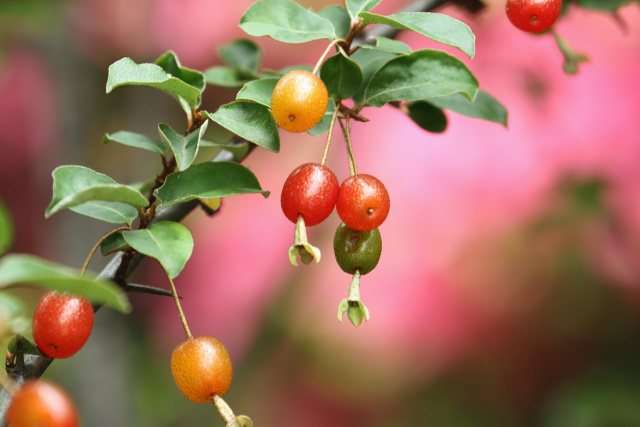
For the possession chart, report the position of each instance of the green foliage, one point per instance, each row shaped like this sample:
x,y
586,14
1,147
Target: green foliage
x,y
75,185
342,76
18,269
608,5
6,229
258,91
339,18
436,26
183,147
168,242
207,180
243,56
136,140
427,116
484,106
111,212
354,7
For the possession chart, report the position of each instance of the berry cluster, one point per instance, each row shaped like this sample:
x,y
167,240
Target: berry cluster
x,y
312,191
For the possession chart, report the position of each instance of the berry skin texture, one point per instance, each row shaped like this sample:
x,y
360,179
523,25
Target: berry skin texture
x,y
363,202
201,368
357,250
62,324
299,101
311,191
533,16
42,403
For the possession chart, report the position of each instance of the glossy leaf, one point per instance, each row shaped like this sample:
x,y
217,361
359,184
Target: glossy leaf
x,y
76,185
184,148
170,64
607,5
19,269
207,180
370,61
250,121
225,77
6,229
243,56
127,72
427,116
136,140
167,241
112,212
436,26
354,7
113,243
323,125
484,106
239,150
421,75
258,91
389,45
342,76
339,18
285,21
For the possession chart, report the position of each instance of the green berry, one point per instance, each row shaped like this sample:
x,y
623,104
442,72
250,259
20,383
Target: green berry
x,y
357,250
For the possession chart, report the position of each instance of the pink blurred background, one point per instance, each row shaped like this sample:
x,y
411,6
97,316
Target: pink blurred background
x,y
507,292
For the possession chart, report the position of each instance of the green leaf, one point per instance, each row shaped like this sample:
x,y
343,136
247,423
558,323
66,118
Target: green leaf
x,y
239,150
484,106
427,116
112,212
389,45
339,18
607,5
114,243
258,91
76,185
421,75
342,76
167,241
441,28
170,64
250,121
225,77
19,269
285,21
136,140
207,180
356,6
184,148
323,125
243,56
370,61
127,72
6,229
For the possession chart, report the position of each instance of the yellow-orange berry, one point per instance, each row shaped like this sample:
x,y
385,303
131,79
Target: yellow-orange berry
x,y
299,101
201,368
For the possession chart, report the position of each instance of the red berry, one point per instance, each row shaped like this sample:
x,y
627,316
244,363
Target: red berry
x,y
41,403
311,191
533,16
62,324
363,202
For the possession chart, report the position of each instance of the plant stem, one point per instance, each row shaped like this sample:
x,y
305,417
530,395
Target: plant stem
x,y
324,55
326,146
97,245
183,319
353,168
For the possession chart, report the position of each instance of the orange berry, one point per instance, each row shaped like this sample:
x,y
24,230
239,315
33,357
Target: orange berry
x,y
299,101
201,368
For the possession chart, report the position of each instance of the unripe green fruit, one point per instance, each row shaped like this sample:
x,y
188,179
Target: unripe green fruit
x,y
357,250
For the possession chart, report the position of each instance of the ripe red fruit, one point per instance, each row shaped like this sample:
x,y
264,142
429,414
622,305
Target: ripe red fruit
x,y
201,368
311,191
299,101
41,403
363,202
533,16
62,323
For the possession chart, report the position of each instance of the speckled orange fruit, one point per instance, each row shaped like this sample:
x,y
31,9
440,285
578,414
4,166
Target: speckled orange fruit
x,y
42,403
201,368
299,101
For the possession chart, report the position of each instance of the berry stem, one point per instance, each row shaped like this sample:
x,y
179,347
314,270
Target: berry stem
x,y
228,416
183,319
326,146
324,55
97,245
353,168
